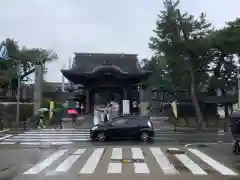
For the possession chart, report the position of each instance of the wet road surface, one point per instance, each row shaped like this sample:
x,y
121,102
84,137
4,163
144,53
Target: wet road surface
x,y
69,136
68,154
15,160
118,161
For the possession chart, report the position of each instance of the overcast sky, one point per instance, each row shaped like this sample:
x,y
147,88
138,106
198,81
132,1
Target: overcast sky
x,y
103,26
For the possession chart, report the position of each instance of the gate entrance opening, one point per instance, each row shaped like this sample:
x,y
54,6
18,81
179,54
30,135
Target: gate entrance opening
x,y
103,96
108,77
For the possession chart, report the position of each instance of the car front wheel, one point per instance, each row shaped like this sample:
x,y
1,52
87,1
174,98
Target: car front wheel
x,y
101,136
144,136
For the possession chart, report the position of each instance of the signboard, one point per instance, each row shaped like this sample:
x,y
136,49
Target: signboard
x,y
3,53
126,107
174,108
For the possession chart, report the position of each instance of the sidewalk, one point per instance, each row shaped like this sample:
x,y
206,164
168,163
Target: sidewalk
x,y
67,123
162,125
188,130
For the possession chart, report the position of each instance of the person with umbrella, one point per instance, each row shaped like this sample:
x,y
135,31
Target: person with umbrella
x,y
62,110
73,111
40,120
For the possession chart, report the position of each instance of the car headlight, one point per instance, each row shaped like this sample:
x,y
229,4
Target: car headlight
x,y
94,128
149,124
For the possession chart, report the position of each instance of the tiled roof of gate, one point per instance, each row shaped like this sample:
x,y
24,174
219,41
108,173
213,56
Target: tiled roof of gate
x,y
87,62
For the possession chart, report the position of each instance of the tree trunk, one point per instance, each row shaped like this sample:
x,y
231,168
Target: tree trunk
x,y
195,101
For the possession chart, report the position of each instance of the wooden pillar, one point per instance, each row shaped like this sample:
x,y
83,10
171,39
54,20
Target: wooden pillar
x,y
125,93
87,101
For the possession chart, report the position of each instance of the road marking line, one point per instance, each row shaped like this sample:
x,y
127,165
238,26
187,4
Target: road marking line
x,y
46,140
163,162
68,163
81,139
213,163
195,144
45,143
61,143
116,153
139,167
115,167
188,163
173,149
137,153
41,133
54,134
65,129
5,137
7,143
31,143
27,135
46,137
46,163
92,161
4,130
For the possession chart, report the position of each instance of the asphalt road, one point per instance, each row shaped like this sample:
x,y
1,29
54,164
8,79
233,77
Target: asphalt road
x,y
119,160
68,154
70,136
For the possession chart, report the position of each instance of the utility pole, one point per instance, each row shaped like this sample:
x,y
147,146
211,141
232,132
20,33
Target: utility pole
x,y
18,68
238,79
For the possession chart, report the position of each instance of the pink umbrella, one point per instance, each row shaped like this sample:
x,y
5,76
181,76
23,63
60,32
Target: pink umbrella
x,y
72,111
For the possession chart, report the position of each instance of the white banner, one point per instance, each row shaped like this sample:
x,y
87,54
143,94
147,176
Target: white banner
x,y
126,107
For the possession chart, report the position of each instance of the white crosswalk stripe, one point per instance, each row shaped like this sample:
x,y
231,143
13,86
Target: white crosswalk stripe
x,y
216,165
92,162
47,162
67,164
142,159
48,137
139,167
192,166
115,167
163,162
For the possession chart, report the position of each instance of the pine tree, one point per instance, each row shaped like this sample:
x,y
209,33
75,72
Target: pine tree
x,y
181,38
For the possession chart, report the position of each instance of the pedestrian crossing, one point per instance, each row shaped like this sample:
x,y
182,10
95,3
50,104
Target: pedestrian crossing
x,y
48,137
129,160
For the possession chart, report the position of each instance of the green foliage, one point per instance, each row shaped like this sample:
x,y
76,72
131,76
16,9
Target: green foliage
x,y
196,57
185,46
28,57
180,38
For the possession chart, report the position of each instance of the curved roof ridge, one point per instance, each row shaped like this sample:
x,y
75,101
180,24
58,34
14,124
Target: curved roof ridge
x,y
104,66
